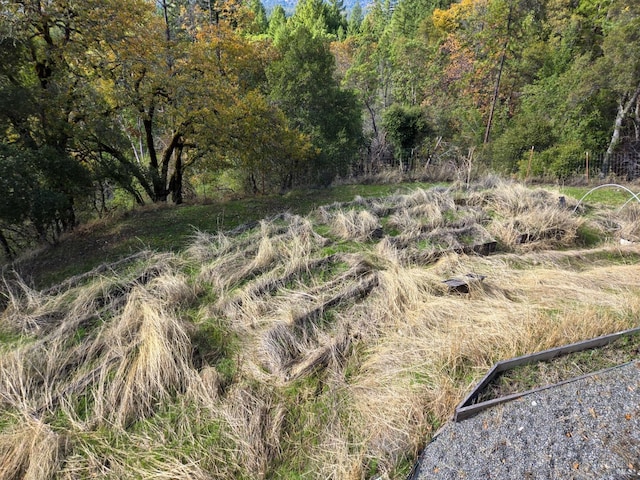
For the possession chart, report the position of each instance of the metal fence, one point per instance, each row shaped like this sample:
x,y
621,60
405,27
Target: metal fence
x,y
625,165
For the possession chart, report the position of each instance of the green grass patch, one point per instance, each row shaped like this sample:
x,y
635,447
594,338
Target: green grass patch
x,y
590,237
588,259
342,247
312,408
9,419
214,345
391,231
323,230
429,245
451,215
165,227
611,196
404,467
10,339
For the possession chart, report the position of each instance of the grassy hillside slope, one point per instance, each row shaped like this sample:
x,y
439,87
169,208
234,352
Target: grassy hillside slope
x,y
162,227
323,345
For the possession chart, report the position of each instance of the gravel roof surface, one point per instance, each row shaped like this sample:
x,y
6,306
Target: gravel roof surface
x,y
585,429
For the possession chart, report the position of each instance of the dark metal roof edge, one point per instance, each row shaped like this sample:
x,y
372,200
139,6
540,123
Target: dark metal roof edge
x,y
465,409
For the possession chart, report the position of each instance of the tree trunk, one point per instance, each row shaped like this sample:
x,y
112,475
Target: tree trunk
x,y
372,114
623,111
159,184
163,192
636,123
494,100
131,167
165,11
175,185
5,246
496,89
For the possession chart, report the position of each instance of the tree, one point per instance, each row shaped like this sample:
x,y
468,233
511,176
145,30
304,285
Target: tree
x,y
409,14
268,154
481,55
303,86
62,50
39,189
132,99
277,21
321,18
260,23
407,127
355,20
620,66
561,116
43,80
173,94
409,69
370,77
581,95
336,18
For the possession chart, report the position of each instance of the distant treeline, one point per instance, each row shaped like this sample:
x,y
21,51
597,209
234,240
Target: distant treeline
x,y
103,101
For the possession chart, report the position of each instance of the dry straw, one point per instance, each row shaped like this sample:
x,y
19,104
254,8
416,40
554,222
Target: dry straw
x,y
323,364
354,225
31,450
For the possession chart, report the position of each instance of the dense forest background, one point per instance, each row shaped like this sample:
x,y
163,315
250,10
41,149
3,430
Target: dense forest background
x,y
104,101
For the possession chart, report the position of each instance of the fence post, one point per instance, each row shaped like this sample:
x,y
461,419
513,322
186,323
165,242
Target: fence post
x,y
529,165
587,167
469,165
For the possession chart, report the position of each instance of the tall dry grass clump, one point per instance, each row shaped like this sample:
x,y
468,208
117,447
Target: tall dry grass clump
x,y
418,369
256,422
29,311
420,197
630,222
354,225
116,347
153,353
65,347
540,229
420,211
206,246
286,241
525,219
31,450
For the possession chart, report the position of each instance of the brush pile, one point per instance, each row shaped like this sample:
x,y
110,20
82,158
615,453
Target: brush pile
x,y
318,347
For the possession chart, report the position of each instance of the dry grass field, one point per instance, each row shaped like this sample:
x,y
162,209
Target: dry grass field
x,y
324,346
